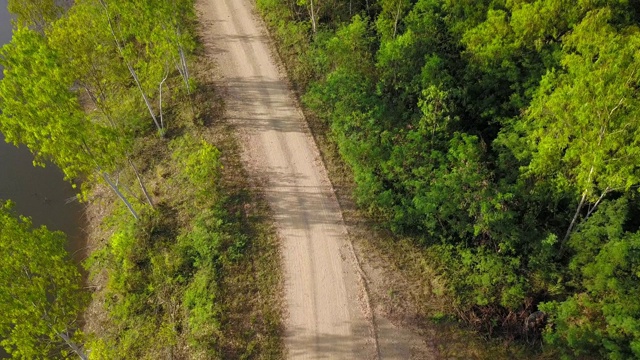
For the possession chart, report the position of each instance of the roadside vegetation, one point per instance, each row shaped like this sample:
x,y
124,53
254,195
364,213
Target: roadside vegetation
x,y
184,262
499,138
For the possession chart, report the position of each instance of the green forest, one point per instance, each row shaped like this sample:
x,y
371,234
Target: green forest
x,y
503,137
115,94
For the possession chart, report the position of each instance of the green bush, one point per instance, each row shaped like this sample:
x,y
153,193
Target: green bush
x,y
500,136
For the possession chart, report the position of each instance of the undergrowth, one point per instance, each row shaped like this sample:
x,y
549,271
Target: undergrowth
x,y
197,277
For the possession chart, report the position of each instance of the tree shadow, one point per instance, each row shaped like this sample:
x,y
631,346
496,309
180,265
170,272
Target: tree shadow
x,y
328,346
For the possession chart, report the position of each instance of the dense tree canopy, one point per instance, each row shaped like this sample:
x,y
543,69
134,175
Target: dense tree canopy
x,y
67,93
501,135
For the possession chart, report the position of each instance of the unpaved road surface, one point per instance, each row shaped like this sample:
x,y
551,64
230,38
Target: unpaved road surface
x,y
328,312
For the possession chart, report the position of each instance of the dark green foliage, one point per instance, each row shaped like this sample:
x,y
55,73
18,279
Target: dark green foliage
x,y
502,136
603,316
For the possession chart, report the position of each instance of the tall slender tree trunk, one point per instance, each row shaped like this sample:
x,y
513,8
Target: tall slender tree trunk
x,y
593,208
108,180
132,71
75,347
144,96
63,335
313,17
140,182
113,124
575,218
115,189
183,69
395,23
160,100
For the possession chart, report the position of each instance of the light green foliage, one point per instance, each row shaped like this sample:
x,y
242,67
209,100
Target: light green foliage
x,y
72,93
200,163
150,36
413,60
91,53
462,15
35,102
37,14
475,127
41,295
40,111
165,274
208,244
483,277
347,96
581,126
389,20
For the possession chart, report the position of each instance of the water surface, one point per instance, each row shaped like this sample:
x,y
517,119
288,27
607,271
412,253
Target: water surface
x,y
40,193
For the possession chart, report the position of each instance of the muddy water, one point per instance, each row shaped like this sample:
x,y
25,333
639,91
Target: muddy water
x,y
40,193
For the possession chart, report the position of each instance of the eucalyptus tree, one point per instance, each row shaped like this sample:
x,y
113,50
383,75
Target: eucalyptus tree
x,y
171,36
312,13
581,129
126,51
41,296
40,111
148,40
36,14
88,52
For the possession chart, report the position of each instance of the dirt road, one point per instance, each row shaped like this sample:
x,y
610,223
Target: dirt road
x,y
329,315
